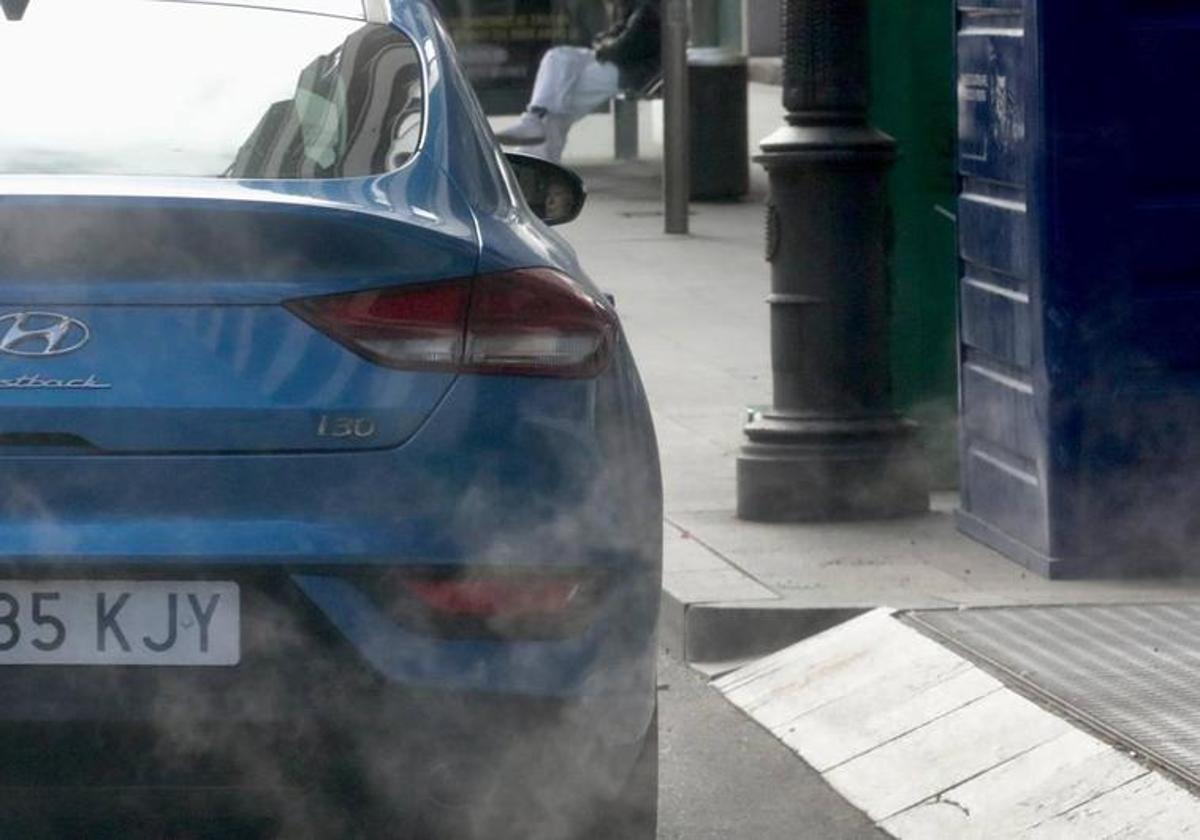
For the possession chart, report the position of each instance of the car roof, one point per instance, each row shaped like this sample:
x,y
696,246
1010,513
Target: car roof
x,y
374,11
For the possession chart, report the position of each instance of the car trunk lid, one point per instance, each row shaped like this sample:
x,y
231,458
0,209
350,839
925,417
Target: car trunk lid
x,y
151,318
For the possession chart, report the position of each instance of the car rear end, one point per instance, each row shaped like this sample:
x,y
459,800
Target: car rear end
x,y
329,489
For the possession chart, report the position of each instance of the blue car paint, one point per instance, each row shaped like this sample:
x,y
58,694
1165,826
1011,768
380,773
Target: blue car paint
x,y
494,460
389,505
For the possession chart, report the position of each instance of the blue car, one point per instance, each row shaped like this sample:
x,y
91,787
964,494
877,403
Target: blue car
x,y
329,496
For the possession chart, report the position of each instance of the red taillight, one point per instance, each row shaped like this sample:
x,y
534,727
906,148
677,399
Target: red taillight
x,y
416,327
529,322
482,603
537,321
492,597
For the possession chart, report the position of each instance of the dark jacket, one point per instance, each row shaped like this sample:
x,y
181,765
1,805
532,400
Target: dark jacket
x,y
633,42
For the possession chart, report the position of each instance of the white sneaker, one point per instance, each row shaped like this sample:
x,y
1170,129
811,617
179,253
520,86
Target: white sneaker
x,y
528,131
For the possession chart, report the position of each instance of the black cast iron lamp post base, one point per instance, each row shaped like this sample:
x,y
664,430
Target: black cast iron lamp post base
x,y
804,468
830,446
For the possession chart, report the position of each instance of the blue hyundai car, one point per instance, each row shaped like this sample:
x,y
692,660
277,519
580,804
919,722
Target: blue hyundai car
x,y
329,496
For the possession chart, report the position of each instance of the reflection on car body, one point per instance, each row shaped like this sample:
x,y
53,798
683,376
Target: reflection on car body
x,y
356,111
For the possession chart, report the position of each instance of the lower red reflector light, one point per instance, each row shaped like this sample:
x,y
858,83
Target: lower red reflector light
x,y
485,598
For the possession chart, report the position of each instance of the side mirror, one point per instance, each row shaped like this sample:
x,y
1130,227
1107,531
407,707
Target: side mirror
x,y
555,194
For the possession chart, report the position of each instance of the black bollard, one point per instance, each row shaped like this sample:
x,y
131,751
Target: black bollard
x,y
14,9
831,446
676,131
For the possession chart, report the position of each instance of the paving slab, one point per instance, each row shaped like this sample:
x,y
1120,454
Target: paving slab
x,y
1032,790
930,745
959,745
1148,808
838,732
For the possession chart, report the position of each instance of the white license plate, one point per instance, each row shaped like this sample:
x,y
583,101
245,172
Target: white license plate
x,y
118,622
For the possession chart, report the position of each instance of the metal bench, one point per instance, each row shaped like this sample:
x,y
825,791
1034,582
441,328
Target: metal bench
x,y
625,116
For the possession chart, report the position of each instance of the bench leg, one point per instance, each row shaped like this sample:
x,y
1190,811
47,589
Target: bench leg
x,y
625,124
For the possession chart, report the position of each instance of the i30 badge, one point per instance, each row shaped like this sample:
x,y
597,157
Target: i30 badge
x,y
41,334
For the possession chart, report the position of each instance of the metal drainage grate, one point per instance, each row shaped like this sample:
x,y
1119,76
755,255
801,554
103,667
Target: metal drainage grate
x,y
1131,672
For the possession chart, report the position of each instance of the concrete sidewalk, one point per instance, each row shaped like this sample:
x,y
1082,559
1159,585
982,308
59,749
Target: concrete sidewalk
x,y
694,311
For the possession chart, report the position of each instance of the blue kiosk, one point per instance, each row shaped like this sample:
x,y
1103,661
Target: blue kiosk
x,y
1079,211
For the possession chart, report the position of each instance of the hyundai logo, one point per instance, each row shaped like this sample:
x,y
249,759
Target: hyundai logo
x,y
41,334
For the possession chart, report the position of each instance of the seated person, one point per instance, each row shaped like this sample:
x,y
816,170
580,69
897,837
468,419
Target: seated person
x,y
573,81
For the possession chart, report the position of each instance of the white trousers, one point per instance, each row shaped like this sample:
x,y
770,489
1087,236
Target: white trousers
x,y
570,84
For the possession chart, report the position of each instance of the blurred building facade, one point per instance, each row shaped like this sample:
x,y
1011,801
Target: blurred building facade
x,y
752,27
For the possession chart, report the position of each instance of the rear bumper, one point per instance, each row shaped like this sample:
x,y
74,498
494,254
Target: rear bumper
x,y
431,765
305,729
316,650
407,740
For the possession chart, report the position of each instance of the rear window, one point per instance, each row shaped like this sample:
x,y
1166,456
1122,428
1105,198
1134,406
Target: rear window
x,y
138,87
